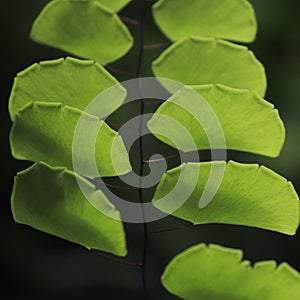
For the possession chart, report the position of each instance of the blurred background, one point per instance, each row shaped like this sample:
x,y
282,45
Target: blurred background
x,y
34,265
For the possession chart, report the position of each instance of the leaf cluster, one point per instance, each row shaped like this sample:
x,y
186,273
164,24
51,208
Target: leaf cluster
x,y
50,97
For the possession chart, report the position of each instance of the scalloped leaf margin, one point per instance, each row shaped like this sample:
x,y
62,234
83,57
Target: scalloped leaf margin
x,y
71,81
84,28
248,122
45,132
227,19
49,199
215,272
249,195
200,61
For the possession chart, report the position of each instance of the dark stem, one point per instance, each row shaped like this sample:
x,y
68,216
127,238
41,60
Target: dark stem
x,y
130,21
170,229
141,149
115,259
116,186
151,161
114,70
153,102
158,45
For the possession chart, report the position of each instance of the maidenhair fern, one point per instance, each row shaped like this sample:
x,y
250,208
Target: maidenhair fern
x,y
222,275
209,61
64,212
50,97
245,117
50,81
79,27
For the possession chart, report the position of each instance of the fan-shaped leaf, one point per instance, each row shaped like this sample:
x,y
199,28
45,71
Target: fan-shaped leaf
x,y
215,272
84,28
233,20
71,81
115,5
49,199
197,61
248,195
45,131
249,123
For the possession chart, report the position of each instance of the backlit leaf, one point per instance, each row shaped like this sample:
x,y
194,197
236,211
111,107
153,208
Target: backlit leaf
x,y
114,5
227,19
45,132
249,123
84,28
49,199
249,195
71,81
198,61
218,273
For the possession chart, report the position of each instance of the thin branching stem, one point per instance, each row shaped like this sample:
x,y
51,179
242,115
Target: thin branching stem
x,y
141,149
157,45
153,102
115,186
151,161
170,229
108,257
118,71
130,21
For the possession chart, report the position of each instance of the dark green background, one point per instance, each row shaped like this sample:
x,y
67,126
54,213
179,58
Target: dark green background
x,y
34,265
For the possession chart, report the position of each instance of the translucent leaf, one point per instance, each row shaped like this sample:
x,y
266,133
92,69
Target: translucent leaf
x,y
233,20
198,61
215,272
249,195
249,123
45,132
84,28
49,199
71,81
114,5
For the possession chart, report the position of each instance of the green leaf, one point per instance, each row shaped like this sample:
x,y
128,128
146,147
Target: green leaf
x,y
84,28
49,199
215,272
233,20
197,61
249,123
249,195
45,132
71,81
115,5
